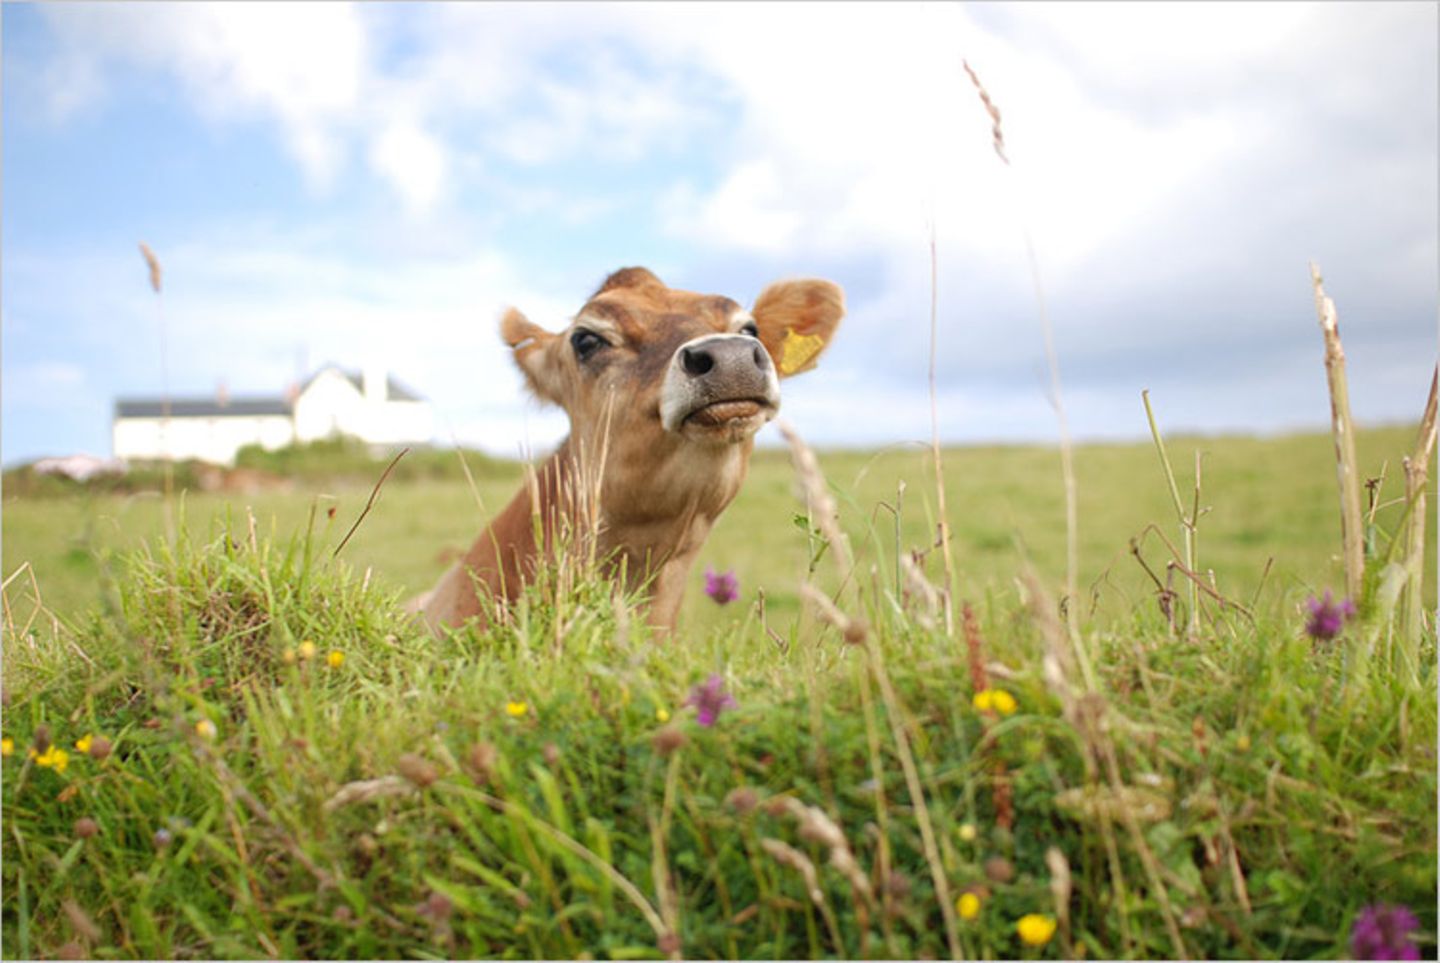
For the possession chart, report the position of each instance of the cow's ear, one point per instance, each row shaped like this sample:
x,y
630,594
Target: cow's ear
x,y
533,349
796,321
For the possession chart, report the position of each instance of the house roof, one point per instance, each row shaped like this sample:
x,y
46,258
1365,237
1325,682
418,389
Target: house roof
x,y
200,408
248,407
394,390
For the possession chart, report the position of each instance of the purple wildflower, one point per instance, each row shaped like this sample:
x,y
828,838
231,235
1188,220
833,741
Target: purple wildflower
x,y
1382,932
1328,617
722,587
710,699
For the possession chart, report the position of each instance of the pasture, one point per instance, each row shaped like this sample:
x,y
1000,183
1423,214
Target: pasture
x,y
293,770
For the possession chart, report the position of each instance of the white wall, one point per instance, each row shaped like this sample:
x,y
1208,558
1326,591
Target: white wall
x,y
331,403
208,439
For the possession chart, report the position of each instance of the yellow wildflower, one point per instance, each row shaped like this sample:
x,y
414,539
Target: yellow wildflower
x,y
1035,929
335,659
968,906
662,714
289,657
84,742
1243,743
7,746
307,649
968,832
53,758
205,729
994,700
516,709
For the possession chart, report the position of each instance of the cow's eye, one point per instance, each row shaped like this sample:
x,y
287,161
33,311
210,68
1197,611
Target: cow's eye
x,y
751,329
586,343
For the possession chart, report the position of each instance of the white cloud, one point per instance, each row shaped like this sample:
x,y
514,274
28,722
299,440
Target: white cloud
x,y
302,64
413,162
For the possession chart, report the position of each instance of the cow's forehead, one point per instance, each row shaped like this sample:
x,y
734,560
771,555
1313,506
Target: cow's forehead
x,y
652,310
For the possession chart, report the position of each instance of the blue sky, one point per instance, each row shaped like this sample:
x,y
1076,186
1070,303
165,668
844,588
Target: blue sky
x,y
376,182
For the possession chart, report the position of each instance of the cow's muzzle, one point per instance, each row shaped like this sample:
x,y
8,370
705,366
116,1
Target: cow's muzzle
x,y
719,385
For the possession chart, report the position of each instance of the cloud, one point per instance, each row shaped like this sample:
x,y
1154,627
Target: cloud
x,y
1176,165
302,65
414,163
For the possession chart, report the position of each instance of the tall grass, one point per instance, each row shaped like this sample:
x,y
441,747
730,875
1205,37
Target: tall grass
x,y
516,792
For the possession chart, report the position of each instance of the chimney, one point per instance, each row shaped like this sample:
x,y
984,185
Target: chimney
x,y
374,383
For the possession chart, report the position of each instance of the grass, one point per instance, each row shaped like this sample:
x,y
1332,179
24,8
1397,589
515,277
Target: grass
x,y
544,791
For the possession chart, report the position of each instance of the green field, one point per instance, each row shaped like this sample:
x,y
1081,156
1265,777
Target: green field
x,y
1240,792
1269,499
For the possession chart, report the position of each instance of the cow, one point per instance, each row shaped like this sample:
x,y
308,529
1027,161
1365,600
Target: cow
x,y
664,390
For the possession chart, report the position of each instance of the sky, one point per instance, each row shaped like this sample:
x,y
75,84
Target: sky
x,y
374,183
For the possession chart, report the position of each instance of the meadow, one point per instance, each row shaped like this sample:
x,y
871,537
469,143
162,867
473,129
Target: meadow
x,y
263,758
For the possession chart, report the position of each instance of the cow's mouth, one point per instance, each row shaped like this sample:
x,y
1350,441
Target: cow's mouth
x,y
732,413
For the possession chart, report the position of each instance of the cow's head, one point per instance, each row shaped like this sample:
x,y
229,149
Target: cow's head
x,y
649,373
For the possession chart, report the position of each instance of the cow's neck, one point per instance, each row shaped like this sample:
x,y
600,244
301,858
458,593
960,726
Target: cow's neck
x,y
648,523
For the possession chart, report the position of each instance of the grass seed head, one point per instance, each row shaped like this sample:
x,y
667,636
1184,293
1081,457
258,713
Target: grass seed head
x,y
482,759
999,869
667,739
418,770
742,799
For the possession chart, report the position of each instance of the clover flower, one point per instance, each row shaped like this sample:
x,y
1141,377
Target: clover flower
x,y
335,659
307,650
516,709
7,746
84,742
710,699
206,730
1035,929
1327,617
1382,932
722,587
968,906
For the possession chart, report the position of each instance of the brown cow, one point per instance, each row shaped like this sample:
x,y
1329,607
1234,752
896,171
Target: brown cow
x,y
665,390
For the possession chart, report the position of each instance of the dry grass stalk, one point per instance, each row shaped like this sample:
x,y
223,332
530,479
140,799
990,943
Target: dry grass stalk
x,y
369,504
916,584
660,863
1352,535
1057,664
817,826
81,922
365,790
1416,471
1067,459
152,264
949,591
1187,522
991,109
974,648
787,855
818,496
1060,887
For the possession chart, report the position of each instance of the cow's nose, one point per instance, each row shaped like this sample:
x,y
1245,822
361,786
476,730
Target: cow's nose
x,y
731,355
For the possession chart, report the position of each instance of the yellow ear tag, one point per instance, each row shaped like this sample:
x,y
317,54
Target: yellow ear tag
x,y
798,351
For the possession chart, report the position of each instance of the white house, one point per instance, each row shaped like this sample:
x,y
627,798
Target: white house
x,y
371,406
